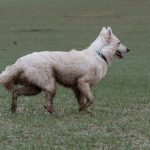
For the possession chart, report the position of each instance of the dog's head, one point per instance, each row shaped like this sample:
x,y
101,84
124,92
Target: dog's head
x,y
111,40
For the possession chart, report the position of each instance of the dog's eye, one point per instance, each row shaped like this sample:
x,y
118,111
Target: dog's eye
x,y
118,43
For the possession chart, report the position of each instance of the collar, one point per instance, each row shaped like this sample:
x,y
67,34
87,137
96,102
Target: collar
x,y
103,57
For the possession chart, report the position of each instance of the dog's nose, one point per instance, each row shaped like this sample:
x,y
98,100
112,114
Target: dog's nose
x,y
128,50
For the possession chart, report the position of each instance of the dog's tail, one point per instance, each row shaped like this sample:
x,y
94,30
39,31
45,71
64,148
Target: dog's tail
x,y
7,77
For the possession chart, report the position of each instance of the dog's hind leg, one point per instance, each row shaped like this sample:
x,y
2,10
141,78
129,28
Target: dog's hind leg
x,y
49,95
86,91
26,91
80,98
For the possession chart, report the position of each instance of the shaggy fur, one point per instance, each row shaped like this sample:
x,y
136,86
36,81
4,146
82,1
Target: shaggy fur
x,y
78,70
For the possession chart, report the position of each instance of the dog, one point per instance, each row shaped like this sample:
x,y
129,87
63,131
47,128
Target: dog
x,y
78,70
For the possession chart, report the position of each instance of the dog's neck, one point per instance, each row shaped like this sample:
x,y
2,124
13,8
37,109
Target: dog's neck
x,y
97,46
103,57
108,53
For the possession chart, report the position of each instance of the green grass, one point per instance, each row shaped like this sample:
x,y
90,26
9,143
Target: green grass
x,y
122,99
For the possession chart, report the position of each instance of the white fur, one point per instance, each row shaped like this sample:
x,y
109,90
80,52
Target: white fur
x,y
39,67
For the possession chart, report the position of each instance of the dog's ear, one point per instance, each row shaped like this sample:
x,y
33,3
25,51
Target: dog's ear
x,y
104,28
106,34
109,33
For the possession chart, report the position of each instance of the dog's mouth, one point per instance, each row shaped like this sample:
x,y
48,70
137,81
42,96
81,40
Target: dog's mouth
x,y
119,54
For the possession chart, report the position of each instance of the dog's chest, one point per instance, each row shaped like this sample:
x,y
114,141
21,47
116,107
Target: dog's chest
x,y
100,72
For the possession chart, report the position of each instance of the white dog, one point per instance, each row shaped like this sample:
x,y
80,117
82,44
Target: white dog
x,y
78,70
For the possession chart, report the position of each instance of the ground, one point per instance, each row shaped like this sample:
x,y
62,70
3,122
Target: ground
x,y
122,99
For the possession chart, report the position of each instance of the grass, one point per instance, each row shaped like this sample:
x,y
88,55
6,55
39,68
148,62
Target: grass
x,y
121,103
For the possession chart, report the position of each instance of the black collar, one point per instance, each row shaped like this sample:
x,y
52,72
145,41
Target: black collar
x,y
102,56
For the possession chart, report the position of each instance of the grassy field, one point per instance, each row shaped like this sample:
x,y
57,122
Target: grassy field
x,y
122,99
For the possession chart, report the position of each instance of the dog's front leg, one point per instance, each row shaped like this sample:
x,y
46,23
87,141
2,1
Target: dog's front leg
x,y
49,102
80,98
86,91
49,95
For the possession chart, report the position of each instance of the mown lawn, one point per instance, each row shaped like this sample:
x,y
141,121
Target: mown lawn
x,y
122,99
